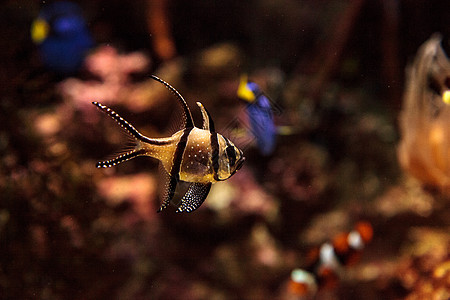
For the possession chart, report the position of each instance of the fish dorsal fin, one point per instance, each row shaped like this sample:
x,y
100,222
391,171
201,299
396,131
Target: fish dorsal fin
x,y
188,121
208,123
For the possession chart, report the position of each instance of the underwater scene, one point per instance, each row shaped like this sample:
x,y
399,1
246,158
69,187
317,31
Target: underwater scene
x,y
170,149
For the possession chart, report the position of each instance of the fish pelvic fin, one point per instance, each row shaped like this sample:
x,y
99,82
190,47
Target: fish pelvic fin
x,y
194,197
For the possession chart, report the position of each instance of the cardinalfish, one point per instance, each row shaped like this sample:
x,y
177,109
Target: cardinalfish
x,y
259,111
194,156
326,262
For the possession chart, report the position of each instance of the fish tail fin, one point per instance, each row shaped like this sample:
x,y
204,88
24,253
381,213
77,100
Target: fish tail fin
x,y
141,145
121,158
127,127
121,121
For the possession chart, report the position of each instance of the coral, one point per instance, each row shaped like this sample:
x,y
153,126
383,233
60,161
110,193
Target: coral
x,y
425,272
301,174
138,190
113,69
241,196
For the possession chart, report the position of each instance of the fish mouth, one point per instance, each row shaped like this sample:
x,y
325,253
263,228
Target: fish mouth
x,y
238,166
240,163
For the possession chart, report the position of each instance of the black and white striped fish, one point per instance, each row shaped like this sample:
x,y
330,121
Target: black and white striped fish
x,y
196,156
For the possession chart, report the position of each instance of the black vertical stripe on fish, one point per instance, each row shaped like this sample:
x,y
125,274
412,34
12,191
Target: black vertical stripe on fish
x,y
127,126
178,155
189,123
215,154
120,159
175,170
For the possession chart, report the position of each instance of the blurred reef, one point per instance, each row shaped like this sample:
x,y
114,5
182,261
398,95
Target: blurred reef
x,y
349,147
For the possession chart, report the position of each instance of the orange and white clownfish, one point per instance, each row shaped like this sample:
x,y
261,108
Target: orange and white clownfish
x,y
196,156
302,285
325,263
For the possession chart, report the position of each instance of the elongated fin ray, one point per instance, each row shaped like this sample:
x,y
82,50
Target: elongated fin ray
x,y
188,121
120,159
194,197
121,121
127,126
208,123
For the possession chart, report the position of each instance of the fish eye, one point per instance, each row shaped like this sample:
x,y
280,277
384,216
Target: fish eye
x,y
231,155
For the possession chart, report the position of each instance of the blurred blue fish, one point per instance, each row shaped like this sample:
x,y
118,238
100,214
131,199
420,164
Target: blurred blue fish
x,y
259,111
62,36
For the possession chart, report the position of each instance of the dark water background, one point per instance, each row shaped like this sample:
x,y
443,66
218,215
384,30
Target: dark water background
x,y
336,72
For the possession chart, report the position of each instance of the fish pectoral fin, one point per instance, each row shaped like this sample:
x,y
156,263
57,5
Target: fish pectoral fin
x,y
208,123
169,192
194,197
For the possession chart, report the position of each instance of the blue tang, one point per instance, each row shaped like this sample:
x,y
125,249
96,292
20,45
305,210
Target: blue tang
x,y
259,111
62,36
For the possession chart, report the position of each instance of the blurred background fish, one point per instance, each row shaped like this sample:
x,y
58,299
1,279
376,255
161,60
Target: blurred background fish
x,y
424,119
326,262
302,285
260,114
62,36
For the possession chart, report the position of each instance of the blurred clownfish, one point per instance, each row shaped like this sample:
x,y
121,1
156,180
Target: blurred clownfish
x,y
192,156
62,36
325,262
302,285
259,111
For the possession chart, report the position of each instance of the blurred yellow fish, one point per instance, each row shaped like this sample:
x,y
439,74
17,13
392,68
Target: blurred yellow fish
x,y
446,97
